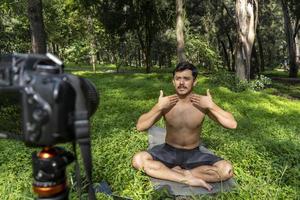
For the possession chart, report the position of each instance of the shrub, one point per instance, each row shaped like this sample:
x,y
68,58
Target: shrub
x,y
229,80
260,82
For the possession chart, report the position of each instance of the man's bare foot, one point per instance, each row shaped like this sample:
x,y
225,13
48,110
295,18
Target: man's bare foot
x,y
193,181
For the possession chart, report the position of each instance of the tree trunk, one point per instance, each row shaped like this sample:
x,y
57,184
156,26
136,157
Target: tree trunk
x,y
232,53
140,58
261,52
224,49
246,17
92,39
38,35
146,47
180,30
254,70
297,39
290,40
147,59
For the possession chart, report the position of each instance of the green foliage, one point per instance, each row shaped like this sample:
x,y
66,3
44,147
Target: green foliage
x,y
260,82
229,80
78,52
10,113
119,32
199,52
14,27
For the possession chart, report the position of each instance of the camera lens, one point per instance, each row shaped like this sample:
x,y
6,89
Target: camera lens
x,y
91,95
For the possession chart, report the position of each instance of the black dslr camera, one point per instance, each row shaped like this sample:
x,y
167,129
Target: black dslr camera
x,y
55,108
53,103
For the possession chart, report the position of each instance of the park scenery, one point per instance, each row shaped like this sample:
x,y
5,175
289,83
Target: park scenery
x,y
247,53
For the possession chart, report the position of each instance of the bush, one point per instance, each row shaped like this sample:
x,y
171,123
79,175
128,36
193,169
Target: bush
x,y
260,82
229,80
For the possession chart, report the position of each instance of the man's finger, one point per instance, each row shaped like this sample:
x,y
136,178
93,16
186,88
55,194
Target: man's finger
x,y
174,101
195,101
196,98
174,97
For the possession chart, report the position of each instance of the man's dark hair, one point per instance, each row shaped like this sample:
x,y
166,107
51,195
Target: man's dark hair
x,y
186,65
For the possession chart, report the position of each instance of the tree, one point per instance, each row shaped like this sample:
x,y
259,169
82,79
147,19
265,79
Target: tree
x,y
270,36
150,18
14,27
145,19
38,35
142,33
180,30
292,26
246,19
226,32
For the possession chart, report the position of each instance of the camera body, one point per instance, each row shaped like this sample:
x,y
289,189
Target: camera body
x,y
54,104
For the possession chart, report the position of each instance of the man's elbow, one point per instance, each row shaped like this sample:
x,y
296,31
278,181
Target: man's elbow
x,y
233,125
230,125
139,127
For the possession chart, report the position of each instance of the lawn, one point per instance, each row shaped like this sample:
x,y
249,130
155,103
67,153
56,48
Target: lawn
x,y
264,149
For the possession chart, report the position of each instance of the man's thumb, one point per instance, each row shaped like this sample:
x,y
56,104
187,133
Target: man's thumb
x,y
208,93
161,94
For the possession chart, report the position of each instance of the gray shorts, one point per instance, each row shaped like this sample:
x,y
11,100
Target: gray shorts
x,y
185,158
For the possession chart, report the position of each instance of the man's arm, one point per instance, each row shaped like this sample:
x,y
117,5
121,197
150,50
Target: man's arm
x,y
224,118
216,113
148,119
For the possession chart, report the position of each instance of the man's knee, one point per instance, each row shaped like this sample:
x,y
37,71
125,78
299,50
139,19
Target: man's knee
x,y
225,169
139,158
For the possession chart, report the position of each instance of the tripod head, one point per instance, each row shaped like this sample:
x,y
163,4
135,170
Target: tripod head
x,y
49,173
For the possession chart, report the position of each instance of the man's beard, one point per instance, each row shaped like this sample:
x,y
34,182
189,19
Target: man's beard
x,y
185,92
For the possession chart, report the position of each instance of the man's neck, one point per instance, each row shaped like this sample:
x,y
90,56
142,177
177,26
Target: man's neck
x,y
185,98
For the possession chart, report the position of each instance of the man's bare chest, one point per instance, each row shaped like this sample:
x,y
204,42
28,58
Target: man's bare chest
x,y
184,116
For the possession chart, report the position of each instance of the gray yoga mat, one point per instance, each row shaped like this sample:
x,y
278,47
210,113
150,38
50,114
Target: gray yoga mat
x,y
157,136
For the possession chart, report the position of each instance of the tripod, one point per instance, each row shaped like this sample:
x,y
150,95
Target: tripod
x,y
49,173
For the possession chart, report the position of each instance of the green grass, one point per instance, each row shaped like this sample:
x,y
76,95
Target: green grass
x,y
112,68
288,90
264,149
278,73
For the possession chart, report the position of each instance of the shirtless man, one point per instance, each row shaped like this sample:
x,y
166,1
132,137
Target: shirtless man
x,y
180,159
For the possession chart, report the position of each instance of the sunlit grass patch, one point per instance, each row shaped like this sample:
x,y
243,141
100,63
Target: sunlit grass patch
x,y
264,149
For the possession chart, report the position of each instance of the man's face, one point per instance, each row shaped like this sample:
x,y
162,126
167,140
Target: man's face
x,y
183,82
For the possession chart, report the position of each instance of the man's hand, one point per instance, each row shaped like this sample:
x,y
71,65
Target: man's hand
x,y
166,102
202,102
